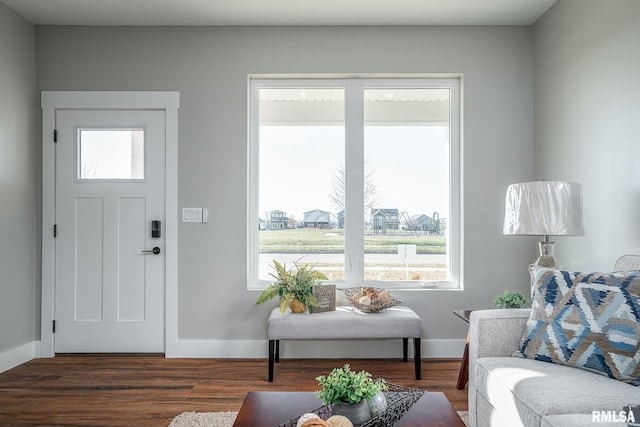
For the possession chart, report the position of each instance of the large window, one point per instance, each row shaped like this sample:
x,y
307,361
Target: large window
x,y
358,177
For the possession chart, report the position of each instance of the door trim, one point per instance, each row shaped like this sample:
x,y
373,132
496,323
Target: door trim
x,y
169,102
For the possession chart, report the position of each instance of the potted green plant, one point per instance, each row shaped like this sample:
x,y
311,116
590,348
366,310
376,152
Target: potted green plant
x,y
294,287
349,392
510,299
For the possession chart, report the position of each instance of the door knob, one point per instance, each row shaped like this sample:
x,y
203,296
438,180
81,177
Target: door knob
x,y
155,251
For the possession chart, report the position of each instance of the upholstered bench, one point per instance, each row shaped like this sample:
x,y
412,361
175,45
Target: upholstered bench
x,y
346,323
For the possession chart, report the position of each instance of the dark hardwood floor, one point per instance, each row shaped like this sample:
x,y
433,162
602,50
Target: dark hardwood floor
x,y
149,390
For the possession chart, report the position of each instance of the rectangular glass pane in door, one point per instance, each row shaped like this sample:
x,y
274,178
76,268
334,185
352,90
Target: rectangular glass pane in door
x,y
110,154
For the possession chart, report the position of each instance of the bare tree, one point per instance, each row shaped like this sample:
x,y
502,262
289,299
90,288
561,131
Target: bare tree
x,y
267,218
337,197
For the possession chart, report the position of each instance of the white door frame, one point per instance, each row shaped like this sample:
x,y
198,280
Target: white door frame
x,y
169,102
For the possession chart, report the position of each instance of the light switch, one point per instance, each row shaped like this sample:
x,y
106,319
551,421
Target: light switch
x,y
191,214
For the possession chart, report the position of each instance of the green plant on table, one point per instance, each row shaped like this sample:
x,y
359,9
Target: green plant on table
x,y
343,385
293,284
510,299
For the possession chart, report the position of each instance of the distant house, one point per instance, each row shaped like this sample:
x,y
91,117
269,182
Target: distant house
x,y
418,222
341,219
317,219
442,226
278,220
384,219
424,223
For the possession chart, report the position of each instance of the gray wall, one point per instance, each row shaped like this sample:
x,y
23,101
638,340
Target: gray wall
x,y
18,176
587,110
209,66
580,56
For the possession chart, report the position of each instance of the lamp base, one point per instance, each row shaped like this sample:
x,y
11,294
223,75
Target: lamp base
x,y
546,255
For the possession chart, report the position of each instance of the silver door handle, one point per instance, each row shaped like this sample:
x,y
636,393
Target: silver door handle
x,y
154,251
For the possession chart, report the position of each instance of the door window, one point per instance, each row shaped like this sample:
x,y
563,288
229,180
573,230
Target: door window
x,y
110,154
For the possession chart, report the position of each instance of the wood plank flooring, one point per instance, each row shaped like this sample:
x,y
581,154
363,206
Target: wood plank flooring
x,y
149,390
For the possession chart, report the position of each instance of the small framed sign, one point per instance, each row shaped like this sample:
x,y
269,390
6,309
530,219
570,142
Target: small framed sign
x,y
326,295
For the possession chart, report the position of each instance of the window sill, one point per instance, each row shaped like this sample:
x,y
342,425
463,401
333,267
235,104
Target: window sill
x,y
399,286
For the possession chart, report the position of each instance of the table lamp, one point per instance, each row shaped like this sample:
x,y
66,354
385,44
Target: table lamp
x,y
544,208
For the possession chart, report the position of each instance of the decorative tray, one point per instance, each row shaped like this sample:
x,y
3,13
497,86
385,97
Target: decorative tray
x,y
399,400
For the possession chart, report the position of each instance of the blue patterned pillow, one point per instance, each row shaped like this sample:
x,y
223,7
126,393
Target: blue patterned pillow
x,y
585,320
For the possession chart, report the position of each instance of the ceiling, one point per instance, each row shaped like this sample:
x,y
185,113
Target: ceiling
x,y
280,12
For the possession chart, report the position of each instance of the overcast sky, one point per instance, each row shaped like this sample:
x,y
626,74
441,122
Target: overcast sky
x,y
409,164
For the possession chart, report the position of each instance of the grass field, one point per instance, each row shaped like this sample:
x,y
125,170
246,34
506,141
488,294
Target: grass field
x,y
386,265
332,241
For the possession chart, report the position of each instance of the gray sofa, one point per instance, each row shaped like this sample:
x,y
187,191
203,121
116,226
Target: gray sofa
x,y
510,391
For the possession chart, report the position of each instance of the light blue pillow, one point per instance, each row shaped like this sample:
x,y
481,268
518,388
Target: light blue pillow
x,y
585,320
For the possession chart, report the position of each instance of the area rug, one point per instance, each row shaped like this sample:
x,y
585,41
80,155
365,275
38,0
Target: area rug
x,y
204,419
226,419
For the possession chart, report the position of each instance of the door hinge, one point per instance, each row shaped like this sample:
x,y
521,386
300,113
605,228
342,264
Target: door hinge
x,y
55,135
54,327
55,230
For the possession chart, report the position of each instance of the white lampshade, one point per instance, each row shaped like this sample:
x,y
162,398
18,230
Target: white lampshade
x,y
544,208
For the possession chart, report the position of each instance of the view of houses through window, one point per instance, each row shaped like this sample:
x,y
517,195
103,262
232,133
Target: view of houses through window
x,y
325,178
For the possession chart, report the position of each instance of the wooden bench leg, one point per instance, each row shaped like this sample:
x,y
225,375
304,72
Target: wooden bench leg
x,y
417,358
271,357
405,349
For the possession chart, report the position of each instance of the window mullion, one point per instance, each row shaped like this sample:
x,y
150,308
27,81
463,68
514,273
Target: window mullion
x,y
354,183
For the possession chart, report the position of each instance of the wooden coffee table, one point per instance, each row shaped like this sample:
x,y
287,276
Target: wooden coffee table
x,y
271,408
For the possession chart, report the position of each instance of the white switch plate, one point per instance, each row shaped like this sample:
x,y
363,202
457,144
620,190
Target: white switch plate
x,y
191,214
205,215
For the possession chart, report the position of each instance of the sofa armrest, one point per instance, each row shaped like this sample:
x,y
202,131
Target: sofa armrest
x,y
492,333
496,332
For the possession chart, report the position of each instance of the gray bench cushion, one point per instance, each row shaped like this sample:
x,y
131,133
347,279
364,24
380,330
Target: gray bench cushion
x,y
345,323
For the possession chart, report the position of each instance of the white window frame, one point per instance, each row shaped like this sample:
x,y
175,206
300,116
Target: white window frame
x,y
354,167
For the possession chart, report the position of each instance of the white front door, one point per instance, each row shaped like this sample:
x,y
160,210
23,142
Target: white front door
x,y
109,201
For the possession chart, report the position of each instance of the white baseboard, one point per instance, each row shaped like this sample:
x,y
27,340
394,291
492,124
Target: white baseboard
x,y
17,356
251,349
376,349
